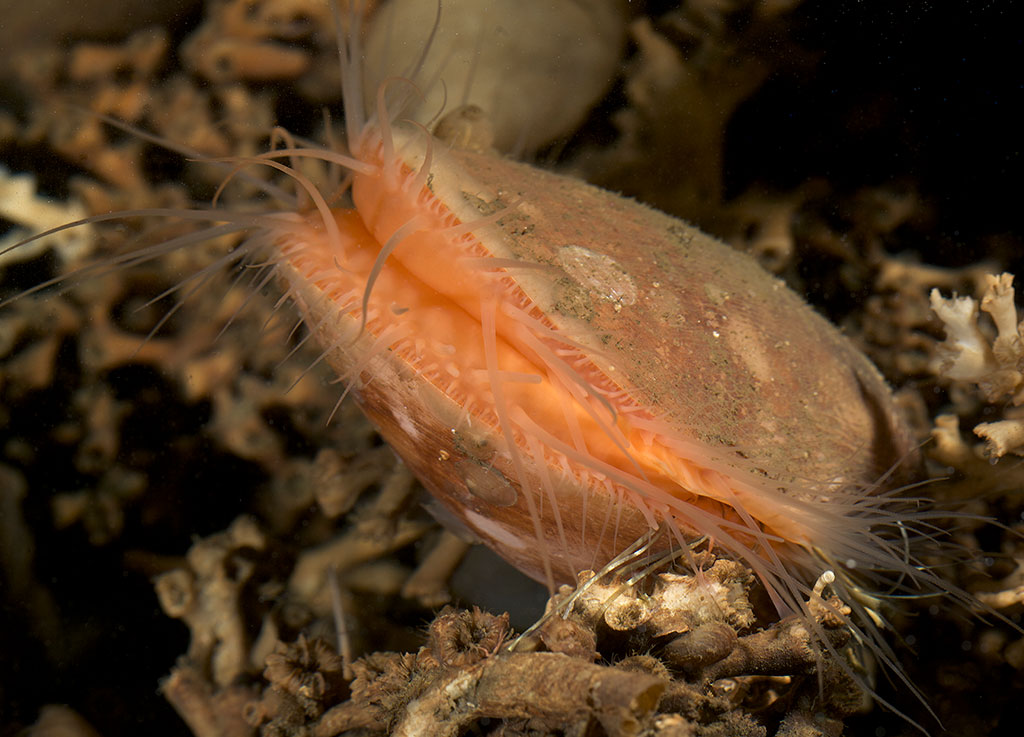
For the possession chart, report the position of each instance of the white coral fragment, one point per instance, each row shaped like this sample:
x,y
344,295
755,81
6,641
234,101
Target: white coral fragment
x,y
965,356
968,355
21,204
996,365
1011,592
1005,436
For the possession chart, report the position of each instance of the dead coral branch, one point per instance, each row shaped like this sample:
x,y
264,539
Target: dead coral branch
x,y
994,364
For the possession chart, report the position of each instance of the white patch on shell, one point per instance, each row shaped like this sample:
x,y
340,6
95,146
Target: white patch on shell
x,y
599,273
744,341
488,528
405,422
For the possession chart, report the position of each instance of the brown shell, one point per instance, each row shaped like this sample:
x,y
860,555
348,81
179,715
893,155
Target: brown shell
x,y
721,350
705,335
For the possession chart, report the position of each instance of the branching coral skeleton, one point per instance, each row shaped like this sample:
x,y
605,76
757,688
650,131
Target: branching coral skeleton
x,y
21,203
995,365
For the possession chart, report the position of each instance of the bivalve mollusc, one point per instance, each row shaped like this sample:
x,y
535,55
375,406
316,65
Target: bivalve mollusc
x,y
566,369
